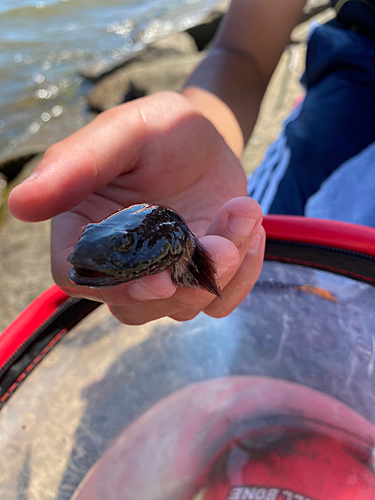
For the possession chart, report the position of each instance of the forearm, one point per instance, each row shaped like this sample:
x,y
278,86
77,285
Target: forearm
x,y
228,86
228,90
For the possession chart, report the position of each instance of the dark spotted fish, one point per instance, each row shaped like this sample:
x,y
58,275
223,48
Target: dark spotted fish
x,y
139,241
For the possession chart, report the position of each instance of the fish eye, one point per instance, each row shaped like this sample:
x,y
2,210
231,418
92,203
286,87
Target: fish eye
x,y
126,243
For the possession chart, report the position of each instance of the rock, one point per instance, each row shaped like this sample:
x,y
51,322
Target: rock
x,y
164,74
175,50
13,164
302,30
3,190
109,92
24,260
172,45
204,32
282,92
71,120
314,7
136,80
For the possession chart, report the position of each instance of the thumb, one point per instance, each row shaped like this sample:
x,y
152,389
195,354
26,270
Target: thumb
x,y
81,164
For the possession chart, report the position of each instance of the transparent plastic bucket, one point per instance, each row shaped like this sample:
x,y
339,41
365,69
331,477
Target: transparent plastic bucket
x,y
274,402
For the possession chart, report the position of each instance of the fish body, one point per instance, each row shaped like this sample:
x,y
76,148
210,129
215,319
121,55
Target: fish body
x,y
138,241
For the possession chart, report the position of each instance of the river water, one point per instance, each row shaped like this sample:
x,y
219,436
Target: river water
x,y
46,45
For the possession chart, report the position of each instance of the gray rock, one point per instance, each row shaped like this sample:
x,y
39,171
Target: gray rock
x,y
24,260
312,8
302,30
204,32
13,164
164,74
175,50
71,120
136,80
172,45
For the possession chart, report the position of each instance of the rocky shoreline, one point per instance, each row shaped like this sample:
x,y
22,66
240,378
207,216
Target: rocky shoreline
x,y
163,65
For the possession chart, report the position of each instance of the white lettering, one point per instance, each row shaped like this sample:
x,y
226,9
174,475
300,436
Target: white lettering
x,y
249,494
273,493
261,494
235,493
253,493
288,494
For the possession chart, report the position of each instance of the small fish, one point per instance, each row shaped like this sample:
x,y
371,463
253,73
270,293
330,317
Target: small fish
x,y
138,241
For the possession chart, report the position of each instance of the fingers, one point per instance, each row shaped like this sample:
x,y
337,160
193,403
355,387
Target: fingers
x,y
186,301
239,221
66,229
237,250
130,139
238,257
79,165
146,292
243,281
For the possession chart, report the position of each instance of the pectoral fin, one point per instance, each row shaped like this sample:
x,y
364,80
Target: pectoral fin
x,y
196,270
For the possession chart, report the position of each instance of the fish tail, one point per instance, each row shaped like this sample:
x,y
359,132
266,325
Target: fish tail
x,y
199,271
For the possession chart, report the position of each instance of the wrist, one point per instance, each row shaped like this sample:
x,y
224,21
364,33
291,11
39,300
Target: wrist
x,y
219,114
227,88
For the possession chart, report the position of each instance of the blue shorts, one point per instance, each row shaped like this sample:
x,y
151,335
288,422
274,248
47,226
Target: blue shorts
x,y
334,122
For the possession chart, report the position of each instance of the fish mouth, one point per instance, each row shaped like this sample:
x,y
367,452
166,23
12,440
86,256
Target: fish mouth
x,y
92,279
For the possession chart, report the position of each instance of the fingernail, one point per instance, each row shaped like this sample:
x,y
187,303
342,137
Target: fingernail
x,y
255,242
32,176
139,292
241,226
222,271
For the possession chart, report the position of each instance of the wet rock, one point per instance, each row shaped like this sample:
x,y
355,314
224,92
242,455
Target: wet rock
x,y
173,45
24,260
14,163
165,64
71,120
137,80
204,32
3,187
168,59
164,74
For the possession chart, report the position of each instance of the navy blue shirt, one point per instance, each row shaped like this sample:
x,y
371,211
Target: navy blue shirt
x,y
358,15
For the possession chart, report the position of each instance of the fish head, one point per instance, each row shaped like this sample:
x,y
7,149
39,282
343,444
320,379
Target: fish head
x,y
132,243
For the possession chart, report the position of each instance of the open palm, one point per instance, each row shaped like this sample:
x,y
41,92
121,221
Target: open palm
x,y
157,150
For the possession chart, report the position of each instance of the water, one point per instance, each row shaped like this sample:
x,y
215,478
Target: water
x,y
45,45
